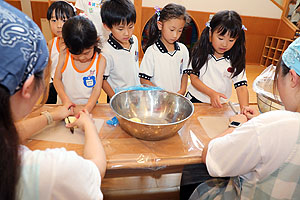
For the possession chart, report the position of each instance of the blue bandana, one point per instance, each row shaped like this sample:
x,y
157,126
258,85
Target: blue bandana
x,y
23,49
291,56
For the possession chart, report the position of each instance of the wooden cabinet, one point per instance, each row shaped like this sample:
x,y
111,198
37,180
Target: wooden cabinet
x,y
274,47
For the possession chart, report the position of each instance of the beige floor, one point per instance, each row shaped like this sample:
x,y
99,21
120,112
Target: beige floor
x,y
165,187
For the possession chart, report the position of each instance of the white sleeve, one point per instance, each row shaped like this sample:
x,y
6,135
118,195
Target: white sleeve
x,y
240,78
258,148
80,4
147,64
234,154
109,63
73,177
185,57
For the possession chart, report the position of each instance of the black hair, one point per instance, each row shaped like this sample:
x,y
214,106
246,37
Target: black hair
x,y
170,11
9,143
79,33
115,12
222,22
63,10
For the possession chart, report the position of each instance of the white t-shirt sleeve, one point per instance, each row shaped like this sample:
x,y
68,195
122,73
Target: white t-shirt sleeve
x,y
185,57
257,148
80,4
109,63
59,174
241,77
147,64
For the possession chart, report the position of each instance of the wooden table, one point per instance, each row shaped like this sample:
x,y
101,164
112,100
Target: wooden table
x,y
127,155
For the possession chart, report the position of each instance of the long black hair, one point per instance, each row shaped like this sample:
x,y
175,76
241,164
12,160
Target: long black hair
x,y
9,143
63,10
170,11
79,33
222,22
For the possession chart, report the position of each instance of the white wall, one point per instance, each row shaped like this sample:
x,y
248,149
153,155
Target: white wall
x,y
257,8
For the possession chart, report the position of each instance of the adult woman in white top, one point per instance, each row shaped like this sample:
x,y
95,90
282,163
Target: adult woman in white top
x,y
49,174
262,154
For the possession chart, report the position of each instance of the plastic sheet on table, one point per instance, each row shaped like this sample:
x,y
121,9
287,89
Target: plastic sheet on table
x,y
263,86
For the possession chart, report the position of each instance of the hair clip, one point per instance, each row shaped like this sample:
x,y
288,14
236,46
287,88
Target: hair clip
x,y
207,24
157,12
244,28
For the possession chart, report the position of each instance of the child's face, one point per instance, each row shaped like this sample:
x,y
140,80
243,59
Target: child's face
x,y
122,32
56,24
85,56
171,30
221,43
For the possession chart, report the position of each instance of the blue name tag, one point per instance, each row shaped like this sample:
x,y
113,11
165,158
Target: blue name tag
x,y
89,81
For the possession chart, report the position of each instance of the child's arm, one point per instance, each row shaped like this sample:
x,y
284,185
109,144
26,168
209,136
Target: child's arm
x,y
97,88
184,80
243,96
214,96
93,149
107,89
146,82
58,82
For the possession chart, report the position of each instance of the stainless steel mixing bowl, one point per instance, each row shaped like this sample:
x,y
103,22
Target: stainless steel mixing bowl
x,y
161,113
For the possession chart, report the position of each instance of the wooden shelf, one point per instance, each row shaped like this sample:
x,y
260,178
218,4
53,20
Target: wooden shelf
x,y
274,47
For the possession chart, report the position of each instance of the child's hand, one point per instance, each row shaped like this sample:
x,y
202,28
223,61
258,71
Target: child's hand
x,y
215,99
250,112
61,112
84,119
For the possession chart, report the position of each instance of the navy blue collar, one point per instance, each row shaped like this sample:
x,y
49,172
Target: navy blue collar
x,y
162,48
115,44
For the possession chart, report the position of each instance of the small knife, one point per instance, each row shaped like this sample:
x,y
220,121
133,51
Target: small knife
x,y
71,128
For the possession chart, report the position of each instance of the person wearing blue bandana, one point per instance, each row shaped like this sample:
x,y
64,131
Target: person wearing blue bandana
x,y
262,156
27,174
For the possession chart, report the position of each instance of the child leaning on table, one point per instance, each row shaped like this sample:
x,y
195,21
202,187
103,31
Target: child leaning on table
x,y
121,49
57,14
218,61
166,60
79,73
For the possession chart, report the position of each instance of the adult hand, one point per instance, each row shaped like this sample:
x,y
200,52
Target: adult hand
x,y
61,112
249,112
215,99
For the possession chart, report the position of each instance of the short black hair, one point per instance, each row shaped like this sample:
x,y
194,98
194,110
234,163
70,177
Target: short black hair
x,y
62,10
79,33
115,12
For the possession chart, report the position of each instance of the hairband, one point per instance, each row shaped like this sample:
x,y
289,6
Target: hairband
x,y
207,24
157,12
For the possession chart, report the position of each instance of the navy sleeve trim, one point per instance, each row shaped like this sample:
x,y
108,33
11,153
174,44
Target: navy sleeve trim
x,y
195,73
145,76
105,77
187,71
239,84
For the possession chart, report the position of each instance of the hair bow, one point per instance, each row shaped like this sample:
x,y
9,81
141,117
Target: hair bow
x,y
157,12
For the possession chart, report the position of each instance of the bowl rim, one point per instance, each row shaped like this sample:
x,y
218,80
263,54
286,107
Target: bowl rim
x,y
173,123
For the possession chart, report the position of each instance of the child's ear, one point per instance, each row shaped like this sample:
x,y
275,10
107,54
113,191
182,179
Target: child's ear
x,y
106,27
159,25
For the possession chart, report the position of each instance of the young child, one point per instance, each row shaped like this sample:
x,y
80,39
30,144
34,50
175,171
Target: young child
x,y
218,59
121,49
57,14
165,61
79,73
92,10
